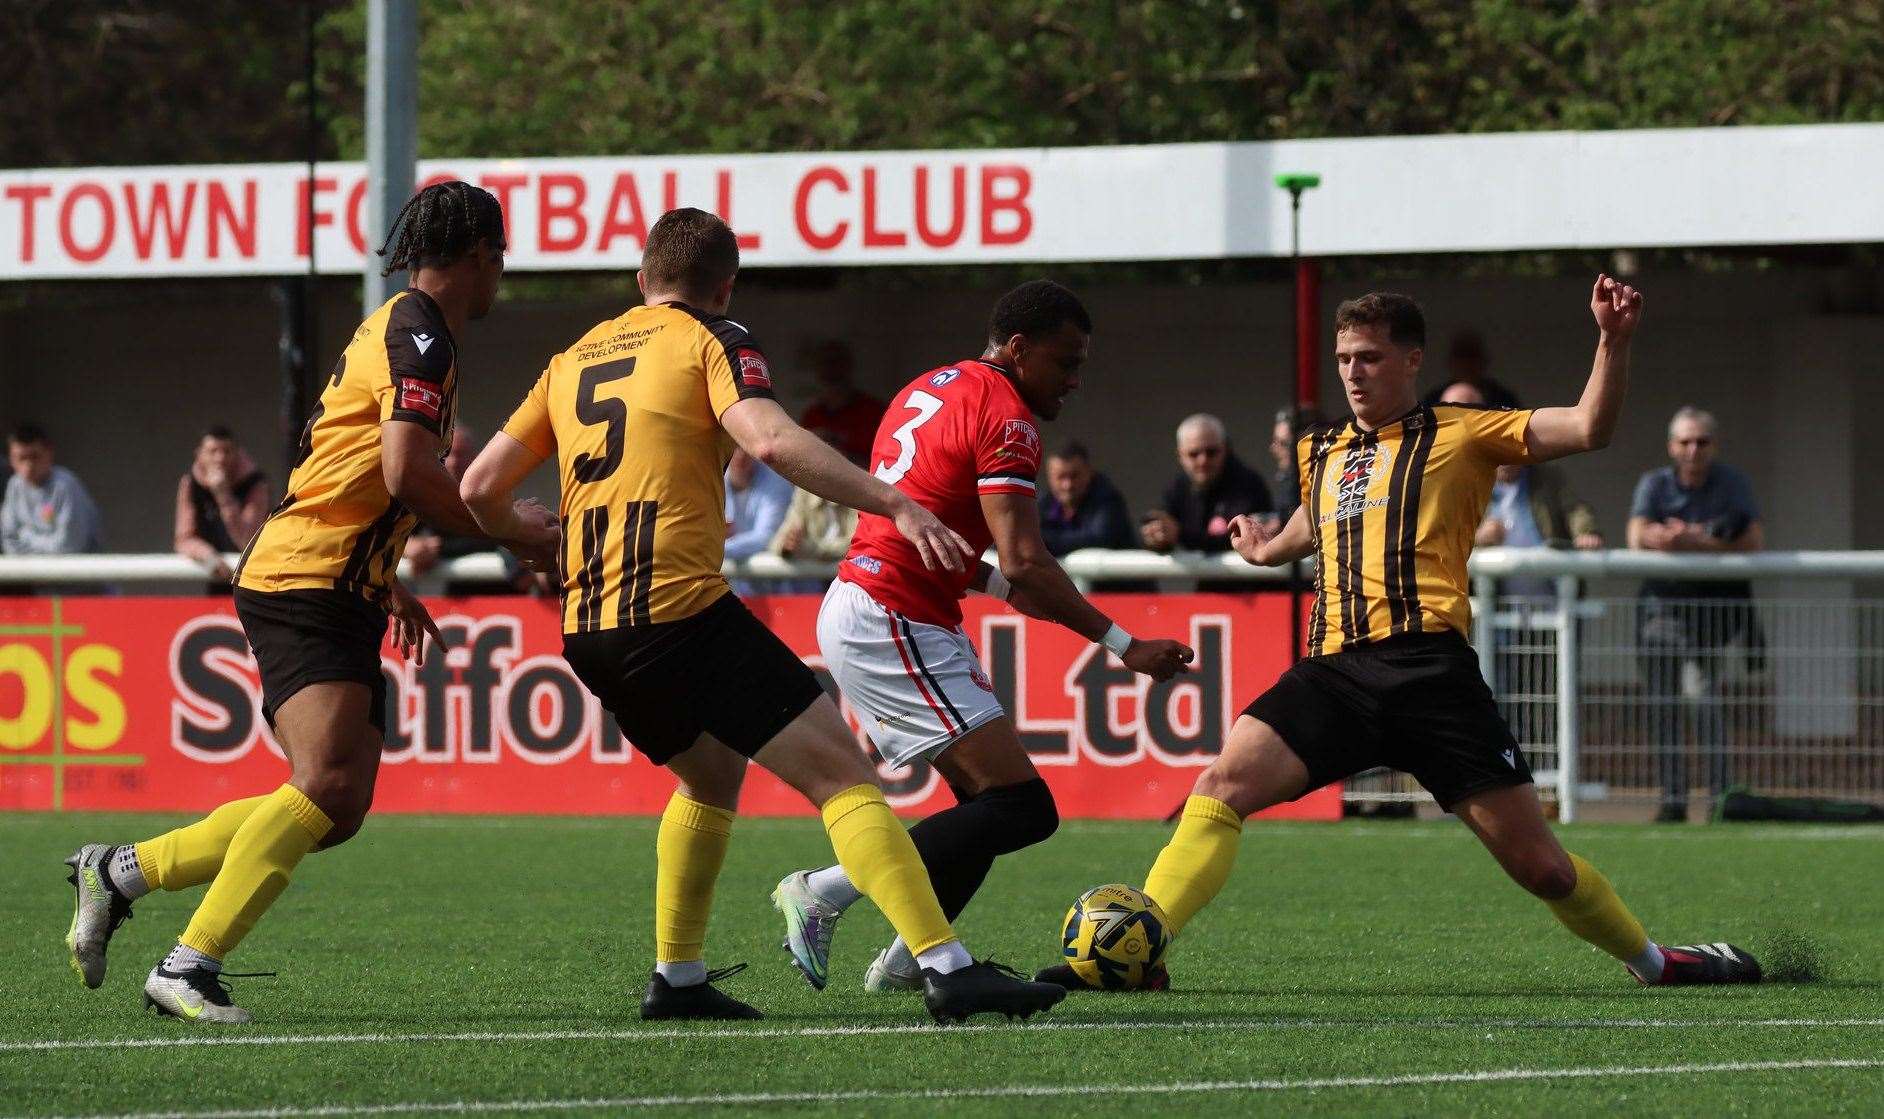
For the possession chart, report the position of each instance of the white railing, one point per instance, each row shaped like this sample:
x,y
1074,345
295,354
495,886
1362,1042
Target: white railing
x,y
1089,565
1576,671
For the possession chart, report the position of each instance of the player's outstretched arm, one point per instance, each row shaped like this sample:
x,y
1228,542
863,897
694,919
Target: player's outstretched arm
x,y
487,490
1042,589
766,433
1556,432
1262,546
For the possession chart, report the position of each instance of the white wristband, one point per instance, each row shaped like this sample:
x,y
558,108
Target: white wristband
x,y
998,586
1117,640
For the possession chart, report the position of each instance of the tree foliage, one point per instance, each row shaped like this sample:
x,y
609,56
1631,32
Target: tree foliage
x,y
220,80
571,77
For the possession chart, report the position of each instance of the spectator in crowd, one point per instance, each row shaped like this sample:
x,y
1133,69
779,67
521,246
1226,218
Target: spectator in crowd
x,y
1080,507
1467,362
842,415
46,510
1531,507
221,501
427,548
757,500
1291,423
814,528
1212,487
1698,505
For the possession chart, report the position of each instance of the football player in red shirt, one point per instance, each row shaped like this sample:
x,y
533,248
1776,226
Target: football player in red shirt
x,y
961,441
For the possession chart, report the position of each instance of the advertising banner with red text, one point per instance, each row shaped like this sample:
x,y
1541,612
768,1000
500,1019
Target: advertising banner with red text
x,y
1384,194
153,704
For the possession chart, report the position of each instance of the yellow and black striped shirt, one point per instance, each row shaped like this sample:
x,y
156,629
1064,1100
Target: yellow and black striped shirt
x,y
338,526
1393,513
632,412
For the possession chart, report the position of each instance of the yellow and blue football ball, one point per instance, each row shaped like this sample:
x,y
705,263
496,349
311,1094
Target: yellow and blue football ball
x,y
1115,938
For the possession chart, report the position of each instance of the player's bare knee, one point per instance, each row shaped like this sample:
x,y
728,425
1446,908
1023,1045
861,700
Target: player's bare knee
x,y
1547,874
345,827
1220,782
342,797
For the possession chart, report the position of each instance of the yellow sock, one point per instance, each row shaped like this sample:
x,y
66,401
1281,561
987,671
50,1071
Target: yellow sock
x,y
1196,863
688,852
263,852
1595,913
191,855
876,853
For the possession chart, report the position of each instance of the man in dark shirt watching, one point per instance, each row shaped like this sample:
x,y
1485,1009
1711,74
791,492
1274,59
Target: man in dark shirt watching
x,y
1212,487
1692,505
1081,508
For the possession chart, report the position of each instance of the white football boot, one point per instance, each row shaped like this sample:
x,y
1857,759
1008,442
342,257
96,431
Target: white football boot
x,y
894,969
194,995
810,922
97,911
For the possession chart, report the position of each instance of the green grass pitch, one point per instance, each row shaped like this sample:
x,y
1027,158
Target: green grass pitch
x,y
494,966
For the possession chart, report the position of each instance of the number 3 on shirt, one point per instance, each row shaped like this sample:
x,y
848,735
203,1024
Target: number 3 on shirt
x,y
925,407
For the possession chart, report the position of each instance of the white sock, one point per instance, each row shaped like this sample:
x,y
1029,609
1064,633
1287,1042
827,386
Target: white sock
x,y
126,876
944,958
183,959
833,886
1647,964
682,973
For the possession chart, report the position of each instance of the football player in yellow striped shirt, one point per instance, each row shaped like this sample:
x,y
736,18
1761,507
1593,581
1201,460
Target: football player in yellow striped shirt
x,y
642,414
1390,500
314,592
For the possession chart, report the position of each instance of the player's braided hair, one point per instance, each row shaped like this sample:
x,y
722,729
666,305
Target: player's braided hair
x,y
442,224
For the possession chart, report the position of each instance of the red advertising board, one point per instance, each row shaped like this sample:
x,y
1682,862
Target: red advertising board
x,y
152,704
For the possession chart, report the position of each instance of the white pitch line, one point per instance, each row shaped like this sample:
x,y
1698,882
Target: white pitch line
x,y
761,1032
1005,1091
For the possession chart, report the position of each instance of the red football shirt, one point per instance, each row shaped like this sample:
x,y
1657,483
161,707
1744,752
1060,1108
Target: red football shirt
x,y
950,436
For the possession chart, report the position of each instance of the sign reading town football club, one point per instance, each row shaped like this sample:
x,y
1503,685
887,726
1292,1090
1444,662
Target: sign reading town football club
x,y
1408,194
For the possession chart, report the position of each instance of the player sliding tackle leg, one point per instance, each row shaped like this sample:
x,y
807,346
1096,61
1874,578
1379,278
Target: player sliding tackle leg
x,y
961,442
639,413
1389,502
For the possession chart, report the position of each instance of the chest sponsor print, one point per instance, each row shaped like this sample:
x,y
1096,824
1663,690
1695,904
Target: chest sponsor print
x,y
1349,486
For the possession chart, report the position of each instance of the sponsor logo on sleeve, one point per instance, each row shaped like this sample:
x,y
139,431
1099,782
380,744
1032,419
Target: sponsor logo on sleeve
x,y
944,377
1020,440
421,397
753,371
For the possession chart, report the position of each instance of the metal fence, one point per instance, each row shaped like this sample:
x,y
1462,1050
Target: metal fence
x,y
1776,684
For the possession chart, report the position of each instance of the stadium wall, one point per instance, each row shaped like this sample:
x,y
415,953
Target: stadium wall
x,y
126,386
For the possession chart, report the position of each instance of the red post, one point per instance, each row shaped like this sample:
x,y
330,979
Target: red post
x,y
1307,333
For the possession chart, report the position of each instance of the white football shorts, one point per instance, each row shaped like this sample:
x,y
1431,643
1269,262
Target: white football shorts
x,y
915,687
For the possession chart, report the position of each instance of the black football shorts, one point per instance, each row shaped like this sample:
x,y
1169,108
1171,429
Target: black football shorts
x,y
1416,703
311,636
719,672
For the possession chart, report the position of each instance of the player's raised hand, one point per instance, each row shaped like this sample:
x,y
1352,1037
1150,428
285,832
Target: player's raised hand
x,y
1617,307
411,621
1248,535
1158,658
938,544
